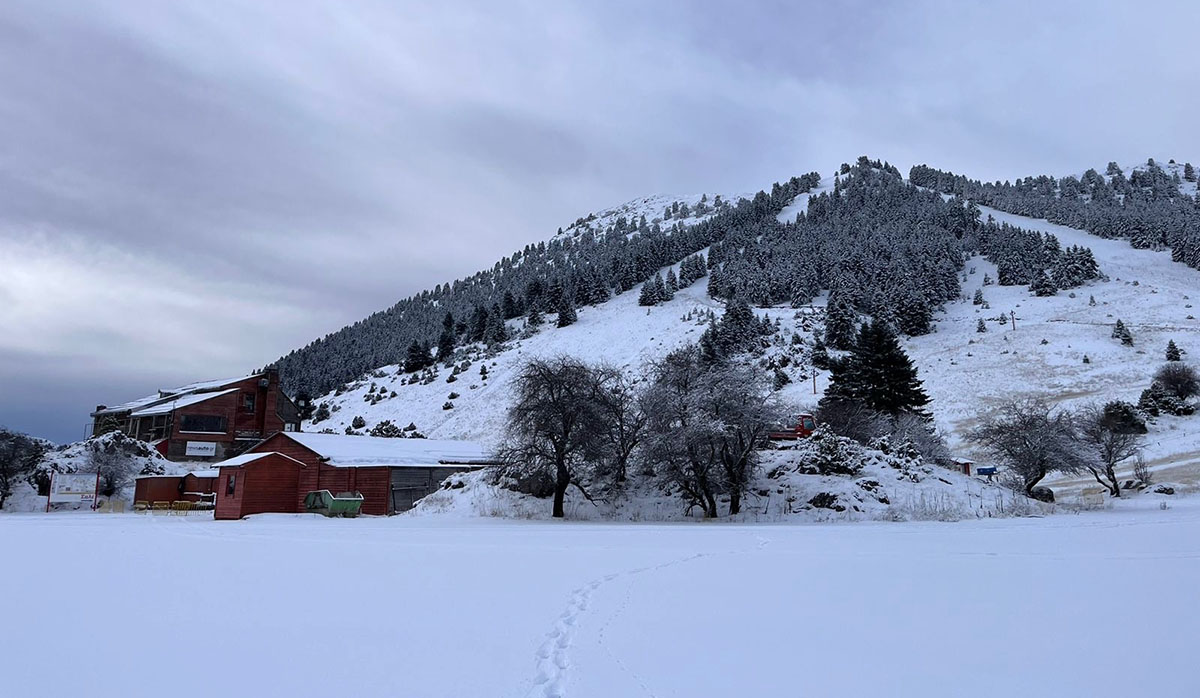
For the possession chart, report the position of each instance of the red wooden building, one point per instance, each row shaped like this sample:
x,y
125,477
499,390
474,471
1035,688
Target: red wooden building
x,y
391,474
196,486
208,421
258,483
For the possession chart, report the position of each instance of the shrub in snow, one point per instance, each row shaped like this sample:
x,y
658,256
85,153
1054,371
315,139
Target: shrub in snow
x,y
447,405
387,430
826,500
826,453
1124,416
1179,379
451,396
358,423
1173,353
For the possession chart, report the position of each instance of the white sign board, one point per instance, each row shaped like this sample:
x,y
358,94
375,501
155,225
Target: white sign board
x,y
201,448
76,488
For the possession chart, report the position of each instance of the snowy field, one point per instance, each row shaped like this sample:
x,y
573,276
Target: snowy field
x,y
1095,604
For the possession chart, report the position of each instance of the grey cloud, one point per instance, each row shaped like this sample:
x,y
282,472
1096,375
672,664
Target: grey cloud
x,y
279,169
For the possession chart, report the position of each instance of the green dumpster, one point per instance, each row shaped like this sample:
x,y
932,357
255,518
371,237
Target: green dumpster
x,y
324,502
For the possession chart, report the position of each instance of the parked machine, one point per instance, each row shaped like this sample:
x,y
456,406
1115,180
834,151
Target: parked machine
x,y
804,427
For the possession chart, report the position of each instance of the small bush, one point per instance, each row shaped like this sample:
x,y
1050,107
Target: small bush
x,y
1179,379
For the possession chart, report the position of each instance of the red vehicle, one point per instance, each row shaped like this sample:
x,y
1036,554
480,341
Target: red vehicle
x,y
805,425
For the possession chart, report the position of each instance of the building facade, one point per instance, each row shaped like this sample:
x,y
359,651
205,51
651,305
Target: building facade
x,y
391,474
209,421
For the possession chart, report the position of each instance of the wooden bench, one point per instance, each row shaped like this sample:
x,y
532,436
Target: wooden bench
x,y
160,506
181,507
141,507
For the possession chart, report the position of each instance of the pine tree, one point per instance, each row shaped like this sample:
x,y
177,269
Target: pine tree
x,y
672,284
981,326
978,299
509,307
496,332
660,290
648,296
446,340
1122,333
1043,285
781,379
535,318
1189,172
840,318
1173,353
415,358
878,374
566,313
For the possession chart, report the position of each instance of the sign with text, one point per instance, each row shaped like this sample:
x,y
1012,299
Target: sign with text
x,y
73,488
201,448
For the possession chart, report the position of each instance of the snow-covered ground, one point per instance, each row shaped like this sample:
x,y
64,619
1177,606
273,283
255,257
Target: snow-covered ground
x,y
1095,604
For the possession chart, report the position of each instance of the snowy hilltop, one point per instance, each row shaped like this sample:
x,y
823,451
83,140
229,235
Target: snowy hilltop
x,y
998,291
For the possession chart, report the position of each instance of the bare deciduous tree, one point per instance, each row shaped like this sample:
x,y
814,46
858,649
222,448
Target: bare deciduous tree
x,y
706,423
1112,442
1032,441
555,424
622,418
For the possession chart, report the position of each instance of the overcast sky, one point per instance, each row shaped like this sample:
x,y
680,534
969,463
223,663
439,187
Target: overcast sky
x,y
190,189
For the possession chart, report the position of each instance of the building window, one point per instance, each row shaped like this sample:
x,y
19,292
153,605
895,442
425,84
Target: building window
x,y
213,424
247,402
289,426
230,484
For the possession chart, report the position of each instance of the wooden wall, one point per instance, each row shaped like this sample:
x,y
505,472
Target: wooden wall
x,y
266,485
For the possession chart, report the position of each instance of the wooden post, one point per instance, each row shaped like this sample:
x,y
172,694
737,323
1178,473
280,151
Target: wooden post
x,y
814,382
1013,315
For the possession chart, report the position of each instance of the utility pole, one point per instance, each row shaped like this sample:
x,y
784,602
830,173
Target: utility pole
x,y
814,382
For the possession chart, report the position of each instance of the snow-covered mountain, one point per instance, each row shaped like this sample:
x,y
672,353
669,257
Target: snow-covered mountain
x,y
966,372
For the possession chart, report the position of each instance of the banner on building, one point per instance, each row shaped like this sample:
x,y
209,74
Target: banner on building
x,y
201,448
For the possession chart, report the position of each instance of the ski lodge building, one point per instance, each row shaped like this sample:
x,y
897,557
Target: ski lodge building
x,y
209,421
274,475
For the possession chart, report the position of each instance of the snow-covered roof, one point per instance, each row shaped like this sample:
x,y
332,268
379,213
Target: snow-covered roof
x,y
356,451
168,394
176,403
250,458
211,472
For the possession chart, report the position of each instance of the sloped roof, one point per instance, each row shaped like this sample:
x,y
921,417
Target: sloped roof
x,y
202,474
245,458
359,451
174,403
172,394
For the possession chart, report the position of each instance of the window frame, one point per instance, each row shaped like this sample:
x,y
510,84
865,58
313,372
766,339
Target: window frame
x,y
183,426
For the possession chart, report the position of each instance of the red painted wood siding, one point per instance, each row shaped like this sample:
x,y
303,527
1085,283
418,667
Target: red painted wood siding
x,y
373,481
156,489
267,485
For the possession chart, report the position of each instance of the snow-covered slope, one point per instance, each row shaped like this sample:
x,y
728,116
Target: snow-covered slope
x,y
655,209
966,373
